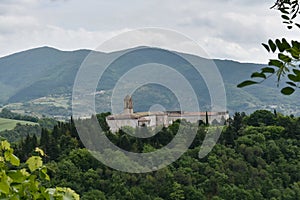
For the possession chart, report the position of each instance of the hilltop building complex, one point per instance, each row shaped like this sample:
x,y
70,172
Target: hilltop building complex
x,y
161,118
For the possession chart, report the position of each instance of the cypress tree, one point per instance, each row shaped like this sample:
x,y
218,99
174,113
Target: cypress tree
x,y
206,119
44,139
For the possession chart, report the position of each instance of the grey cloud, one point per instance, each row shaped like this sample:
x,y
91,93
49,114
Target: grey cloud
x,y
238,24
245,2
227,28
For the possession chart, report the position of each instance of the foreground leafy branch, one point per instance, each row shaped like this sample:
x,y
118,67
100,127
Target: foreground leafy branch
x,y
25,180
286,65
289,10
288,53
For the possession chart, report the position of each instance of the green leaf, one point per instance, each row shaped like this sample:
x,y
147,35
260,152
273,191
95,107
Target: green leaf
x,y
258,75
34,162
246,83
17,176
287,90
44,174
279,45
294,15
14,160
15,197
284,58
297,72
283,11
285,17
5,145
268,70
276,63
7,155
294,78
266,47
4,188
291,84
294,52
63,193
40,151
296,44
285,44
272,45
4,184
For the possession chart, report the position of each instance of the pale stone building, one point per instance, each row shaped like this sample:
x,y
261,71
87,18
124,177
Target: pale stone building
x,y
164,118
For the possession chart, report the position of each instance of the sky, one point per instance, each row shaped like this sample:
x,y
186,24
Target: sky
x,y
225,29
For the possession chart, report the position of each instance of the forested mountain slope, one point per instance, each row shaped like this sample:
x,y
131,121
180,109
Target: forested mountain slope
x,y
43,72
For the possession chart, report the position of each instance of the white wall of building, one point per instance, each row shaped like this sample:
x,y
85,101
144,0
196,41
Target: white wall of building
x,y
166,120
117,124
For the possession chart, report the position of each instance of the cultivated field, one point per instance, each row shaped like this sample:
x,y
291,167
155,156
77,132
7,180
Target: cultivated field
x,y
9,124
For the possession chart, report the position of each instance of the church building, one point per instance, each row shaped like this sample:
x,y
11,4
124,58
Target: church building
x,y
161,118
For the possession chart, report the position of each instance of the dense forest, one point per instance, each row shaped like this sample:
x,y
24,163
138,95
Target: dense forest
x,y
256,157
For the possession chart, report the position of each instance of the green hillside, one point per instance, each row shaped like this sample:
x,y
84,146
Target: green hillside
x,y
9,124
47,72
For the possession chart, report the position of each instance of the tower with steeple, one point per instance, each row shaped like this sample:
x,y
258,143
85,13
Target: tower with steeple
x,y
128,105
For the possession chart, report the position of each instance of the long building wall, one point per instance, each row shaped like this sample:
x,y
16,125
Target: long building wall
x,y
116,124
156,120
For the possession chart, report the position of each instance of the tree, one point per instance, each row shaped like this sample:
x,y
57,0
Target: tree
x,y
286,66
206,119
261,117
102,120
177,193
93,194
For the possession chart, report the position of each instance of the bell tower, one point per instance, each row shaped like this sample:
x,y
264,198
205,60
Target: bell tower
x,y
128,105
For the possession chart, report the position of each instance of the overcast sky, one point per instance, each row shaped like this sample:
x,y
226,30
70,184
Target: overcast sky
x,y
227,29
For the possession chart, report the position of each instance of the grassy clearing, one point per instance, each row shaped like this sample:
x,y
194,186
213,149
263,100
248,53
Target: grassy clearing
x,y
9,124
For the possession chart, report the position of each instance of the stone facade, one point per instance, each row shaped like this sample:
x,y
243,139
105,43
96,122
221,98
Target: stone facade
x,y
128,105
153,119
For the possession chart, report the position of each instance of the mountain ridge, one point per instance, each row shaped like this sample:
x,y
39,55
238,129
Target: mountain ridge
x,y
46,71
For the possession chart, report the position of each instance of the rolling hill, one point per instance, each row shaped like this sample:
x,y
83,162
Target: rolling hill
x,y
9,124
46,72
